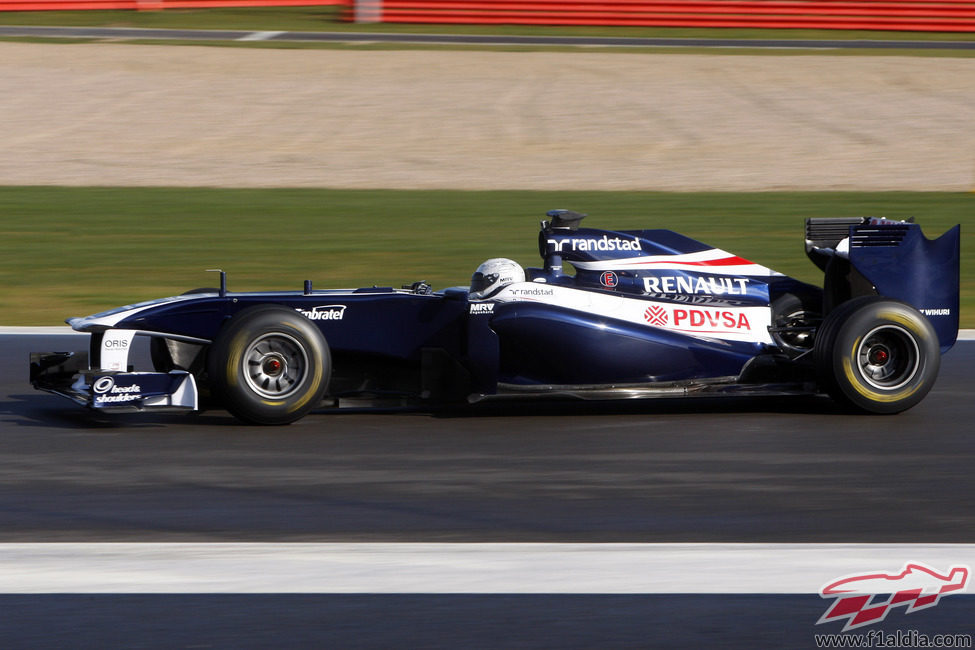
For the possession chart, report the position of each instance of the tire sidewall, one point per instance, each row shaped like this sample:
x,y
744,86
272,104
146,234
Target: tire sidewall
x,y
824,345
226,365
849,332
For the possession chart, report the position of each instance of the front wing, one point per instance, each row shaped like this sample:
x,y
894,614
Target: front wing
x,y
67,374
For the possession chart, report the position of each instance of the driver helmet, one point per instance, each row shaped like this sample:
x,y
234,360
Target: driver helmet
x,y
494,274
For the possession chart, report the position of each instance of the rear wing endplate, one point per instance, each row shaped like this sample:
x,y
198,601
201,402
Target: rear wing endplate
x,y
895,260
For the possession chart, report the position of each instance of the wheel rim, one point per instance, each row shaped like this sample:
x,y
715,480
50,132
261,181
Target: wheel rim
x,y
888,357
274,365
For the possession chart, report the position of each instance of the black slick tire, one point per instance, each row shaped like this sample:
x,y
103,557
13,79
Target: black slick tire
x,y
877,355
269,365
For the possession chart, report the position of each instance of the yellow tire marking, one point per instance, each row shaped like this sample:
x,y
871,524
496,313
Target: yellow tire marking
x,y
906,320
233,359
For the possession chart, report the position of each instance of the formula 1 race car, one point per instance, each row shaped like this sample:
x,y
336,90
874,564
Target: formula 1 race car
x,y
648,313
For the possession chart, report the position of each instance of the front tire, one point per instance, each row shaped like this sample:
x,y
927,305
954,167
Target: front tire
x,y
877,355
269,365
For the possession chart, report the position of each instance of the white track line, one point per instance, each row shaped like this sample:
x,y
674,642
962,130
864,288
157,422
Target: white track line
x,y
36,331
437,568
259,36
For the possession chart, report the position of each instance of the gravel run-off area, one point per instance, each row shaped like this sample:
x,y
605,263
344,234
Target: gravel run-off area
x,y
122,114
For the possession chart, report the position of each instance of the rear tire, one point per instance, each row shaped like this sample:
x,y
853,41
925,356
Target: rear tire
x,y
269,365
877,355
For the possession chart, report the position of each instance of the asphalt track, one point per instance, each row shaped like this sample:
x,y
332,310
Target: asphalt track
x,y
468,39
724,470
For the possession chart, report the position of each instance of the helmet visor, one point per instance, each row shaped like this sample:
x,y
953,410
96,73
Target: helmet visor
x,y
480,281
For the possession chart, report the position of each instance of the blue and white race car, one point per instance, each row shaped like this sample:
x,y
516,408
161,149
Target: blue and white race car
x,y
647,313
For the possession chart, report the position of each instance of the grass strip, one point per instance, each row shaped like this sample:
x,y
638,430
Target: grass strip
x,y
73,251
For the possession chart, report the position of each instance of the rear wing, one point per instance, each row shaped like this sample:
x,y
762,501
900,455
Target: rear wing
x,y
868,256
